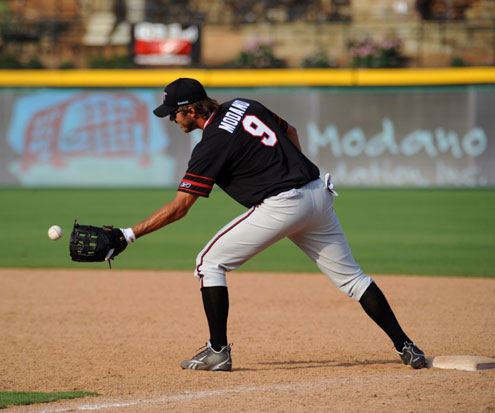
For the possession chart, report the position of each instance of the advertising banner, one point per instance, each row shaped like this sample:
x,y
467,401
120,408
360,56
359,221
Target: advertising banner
x,y
376,137
166,44
77,137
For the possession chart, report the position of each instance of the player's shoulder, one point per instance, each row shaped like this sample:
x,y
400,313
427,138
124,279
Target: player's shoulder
x,y
227,118
240,103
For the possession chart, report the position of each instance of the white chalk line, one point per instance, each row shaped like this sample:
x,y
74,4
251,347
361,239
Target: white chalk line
x,y
195,395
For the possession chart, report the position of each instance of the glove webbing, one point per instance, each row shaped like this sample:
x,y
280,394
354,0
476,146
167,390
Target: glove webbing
x,y
85,243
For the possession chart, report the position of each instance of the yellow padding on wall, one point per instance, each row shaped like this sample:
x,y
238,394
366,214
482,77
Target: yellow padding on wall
x,y
406,77
247,78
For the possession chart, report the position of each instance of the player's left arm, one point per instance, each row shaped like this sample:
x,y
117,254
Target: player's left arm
x,y
167,214
293,136
110,241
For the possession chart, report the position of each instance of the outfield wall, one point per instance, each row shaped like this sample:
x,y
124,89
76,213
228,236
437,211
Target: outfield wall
x,y
404,136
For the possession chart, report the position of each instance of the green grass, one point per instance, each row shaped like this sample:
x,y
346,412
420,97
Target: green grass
x,y
391,231
25,398
431,232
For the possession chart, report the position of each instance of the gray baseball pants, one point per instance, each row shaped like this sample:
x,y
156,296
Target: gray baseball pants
x,y
304,215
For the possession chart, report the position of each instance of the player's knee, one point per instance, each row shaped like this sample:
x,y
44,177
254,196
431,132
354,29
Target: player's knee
x,y
211,278
210,274
356,287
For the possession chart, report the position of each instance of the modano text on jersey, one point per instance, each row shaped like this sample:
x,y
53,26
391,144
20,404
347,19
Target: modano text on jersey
x,y
233,116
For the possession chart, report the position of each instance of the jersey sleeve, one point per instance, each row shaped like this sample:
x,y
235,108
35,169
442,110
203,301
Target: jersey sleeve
x,y
196,184
207,160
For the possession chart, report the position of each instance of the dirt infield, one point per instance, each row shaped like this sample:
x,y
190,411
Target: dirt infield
x,y
299,344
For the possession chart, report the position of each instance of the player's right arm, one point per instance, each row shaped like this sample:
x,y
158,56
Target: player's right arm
x,y
167,214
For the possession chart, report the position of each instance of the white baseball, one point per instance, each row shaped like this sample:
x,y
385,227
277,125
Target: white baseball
x,y
55,232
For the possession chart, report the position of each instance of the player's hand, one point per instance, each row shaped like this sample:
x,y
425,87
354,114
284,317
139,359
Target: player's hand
x,y
122,238
92,244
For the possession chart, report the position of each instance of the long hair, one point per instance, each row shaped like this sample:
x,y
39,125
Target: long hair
x,y
204,108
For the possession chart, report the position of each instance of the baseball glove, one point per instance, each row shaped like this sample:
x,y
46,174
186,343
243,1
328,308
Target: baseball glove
x,y
95,244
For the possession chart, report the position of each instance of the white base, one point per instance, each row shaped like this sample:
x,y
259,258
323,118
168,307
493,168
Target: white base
x,y
467,363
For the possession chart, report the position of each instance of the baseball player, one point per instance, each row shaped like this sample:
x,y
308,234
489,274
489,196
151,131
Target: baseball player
x,y
255,157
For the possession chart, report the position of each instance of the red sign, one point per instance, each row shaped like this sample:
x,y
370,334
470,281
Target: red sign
x,y
160,44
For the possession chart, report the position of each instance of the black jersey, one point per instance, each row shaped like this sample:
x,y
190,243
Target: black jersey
x,y
246,151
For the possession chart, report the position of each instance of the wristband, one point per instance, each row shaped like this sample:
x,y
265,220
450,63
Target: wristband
x,y
129,235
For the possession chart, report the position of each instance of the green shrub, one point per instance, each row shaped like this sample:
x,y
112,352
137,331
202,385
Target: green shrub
x,y
374,54
67,65
318,60
114,62
8,61
259,57
34,64
457,61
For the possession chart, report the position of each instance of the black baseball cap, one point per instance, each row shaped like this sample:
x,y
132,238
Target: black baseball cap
x,y
182,91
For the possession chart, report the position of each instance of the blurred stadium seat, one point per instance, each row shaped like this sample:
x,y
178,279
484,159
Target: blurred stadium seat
x,y
432,32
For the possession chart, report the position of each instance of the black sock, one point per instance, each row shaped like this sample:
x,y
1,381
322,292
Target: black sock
x,y
376,306
216,305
